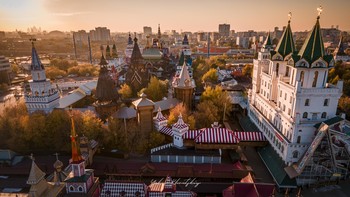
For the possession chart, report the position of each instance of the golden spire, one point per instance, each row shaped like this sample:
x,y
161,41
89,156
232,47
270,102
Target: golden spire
x,y
76,157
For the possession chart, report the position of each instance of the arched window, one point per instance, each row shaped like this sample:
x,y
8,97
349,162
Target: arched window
x,y
295,154
71,188
301,77
307,102
324,115
305,115
314,83
80,188
277,68
298,139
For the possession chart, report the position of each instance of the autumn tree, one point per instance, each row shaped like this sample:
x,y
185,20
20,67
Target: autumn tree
x,y
211,76
206,114
220,99
156,89
344,105
53,72
125,91
181,109
247,70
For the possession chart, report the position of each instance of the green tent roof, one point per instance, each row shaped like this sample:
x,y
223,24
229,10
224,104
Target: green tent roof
x,y
313,47
276,166
286,44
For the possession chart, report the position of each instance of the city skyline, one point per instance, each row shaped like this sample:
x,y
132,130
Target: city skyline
x,y
125,16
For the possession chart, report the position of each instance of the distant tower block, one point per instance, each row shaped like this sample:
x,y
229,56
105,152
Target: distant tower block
x,y
144,109
184,87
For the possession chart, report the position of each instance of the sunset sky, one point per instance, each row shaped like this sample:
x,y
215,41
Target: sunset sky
x,y
185,15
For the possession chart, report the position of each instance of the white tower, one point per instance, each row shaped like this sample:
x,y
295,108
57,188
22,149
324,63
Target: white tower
x,y
41,96
290,93
159,120
179,129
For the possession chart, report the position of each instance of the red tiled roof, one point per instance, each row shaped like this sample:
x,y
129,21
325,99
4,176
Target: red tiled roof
x,y
250,136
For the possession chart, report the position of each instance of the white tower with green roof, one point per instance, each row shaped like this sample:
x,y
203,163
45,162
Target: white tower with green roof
x,y
290,93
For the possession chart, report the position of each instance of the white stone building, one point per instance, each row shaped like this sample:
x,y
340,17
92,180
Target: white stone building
x,y
290,93
42,96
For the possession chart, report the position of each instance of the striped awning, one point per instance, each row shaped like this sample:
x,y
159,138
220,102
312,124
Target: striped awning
x,y
250,136
123,188
166,131
216,135
191,134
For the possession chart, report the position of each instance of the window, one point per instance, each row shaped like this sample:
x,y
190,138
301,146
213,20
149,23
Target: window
x,y
300,130
298,139
277,68
314,83
287,71
324,115
285,96
71,188
290,99
281,93
307,102
325,102
289,111
295,154
80,188
301,77
284,107
305,115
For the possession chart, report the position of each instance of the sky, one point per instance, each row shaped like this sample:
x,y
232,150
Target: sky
x,y
179,15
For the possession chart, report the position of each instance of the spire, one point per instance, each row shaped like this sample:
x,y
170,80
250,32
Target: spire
x,y
36,63
182,58
268,42
103,61
76,157
286,44
35,175
108,52
159,115
136,56
114,51
313,47
159,33
180,121
339,51
130,40
184,78
185,40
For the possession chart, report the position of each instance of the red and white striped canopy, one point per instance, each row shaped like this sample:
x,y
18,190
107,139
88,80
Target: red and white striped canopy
x,y
216,136
250,136
166,131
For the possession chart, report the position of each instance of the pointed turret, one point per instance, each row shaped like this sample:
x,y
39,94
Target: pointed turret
x,y
103,61
268,43
286,44
159,33
184,78
185,40
76,156
136,57
179,129
37,181
108,52
340,51
130,40
35,175
159,120
36,63
114,51
313,47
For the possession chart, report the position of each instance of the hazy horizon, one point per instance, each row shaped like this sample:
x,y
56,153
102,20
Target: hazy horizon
x,y
180,15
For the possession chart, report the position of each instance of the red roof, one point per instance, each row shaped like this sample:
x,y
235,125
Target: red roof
x,y
216,135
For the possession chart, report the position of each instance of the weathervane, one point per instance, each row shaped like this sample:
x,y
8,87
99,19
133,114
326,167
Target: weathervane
x,y
319,10
290,16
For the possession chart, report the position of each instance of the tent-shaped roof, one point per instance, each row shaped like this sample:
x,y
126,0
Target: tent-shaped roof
x,y
35,174
286,44
143,101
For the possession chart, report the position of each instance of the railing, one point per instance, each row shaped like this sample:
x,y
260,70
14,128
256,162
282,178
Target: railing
x,y
51,97
161,147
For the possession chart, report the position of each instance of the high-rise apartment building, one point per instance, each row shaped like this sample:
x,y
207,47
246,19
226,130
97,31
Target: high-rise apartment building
x,y
224,30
